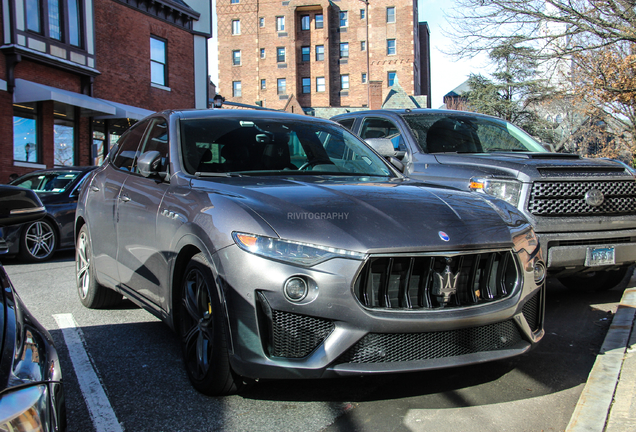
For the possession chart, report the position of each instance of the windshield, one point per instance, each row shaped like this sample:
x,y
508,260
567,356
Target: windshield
x,y
55,182
448,133
274,146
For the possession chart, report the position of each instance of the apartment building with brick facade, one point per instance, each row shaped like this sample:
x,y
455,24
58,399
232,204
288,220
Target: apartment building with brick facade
x,y
74,74
320,53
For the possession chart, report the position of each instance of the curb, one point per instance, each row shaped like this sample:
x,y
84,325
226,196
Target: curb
x,y
595,403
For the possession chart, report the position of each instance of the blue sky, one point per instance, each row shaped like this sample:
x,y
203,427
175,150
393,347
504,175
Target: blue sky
x,y
446,72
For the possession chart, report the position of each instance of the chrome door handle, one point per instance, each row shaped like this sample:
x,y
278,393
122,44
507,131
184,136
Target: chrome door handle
x,y
124,198
94,188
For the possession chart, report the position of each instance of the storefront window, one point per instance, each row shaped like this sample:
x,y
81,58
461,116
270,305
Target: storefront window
x,y
25,133
63,135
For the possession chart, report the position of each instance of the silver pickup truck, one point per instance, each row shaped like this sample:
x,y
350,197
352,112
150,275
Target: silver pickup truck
x,y
583,210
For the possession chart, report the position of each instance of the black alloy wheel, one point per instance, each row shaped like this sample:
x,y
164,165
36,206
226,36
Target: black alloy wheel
x,y
204,334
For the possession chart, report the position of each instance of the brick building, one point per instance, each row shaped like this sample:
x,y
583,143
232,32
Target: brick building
x,y
74,74
320,53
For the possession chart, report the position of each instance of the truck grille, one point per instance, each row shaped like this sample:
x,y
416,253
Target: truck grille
x,y
403,347
430,282
568,198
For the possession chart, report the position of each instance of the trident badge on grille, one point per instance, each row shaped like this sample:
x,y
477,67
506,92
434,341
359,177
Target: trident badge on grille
x,y
445,284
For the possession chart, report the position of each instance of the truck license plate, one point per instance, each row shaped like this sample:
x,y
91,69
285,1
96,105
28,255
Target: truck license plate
x,y
599,256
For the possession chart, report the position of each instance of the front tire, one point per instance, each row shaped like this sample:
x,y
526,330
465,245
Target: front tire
x,y
203,331
91,293
38,241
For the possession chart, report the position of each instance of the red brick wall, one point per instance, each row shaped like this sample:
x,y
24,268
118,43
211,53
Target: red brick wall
x,y
253,38
122,51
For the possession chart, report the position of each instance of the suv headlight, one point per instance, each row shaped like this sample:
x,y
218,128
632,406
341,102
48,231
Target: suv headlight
x,y
302,254
25,409
507,190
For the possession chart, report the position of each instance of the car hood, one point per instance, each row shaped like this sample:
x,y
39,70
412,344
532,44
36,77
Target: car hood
x,y
527,165
371,216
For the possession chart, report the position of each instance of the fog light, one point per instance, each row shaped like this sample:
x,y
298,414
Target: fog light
x,y
295,289
539,272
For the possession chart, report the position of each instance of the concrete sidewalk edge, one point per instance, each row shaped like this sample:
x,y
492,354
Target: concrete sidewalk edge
x,y
593,408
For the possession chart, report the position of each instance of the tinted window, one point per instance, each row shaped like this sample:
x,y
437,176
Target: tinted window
x,y
157,140
56,182
348,123
274,146
382,128
128,144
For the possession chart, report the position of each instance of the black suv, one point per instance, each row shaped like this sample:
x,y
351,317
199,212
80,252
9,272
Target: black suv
x,y
583,210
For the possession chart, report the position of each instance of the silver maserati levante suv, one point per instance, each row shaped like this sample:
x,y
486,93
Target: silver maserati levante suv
x,y
281,246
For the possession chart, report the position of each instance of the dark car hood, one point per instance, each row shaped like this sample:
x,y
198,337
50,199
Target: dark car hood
x,y
535,165
369,216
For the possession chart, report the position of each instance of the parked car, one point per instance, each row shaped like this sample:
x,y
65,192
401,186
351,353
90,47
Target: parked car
x,y
583,210
31,391
281,246
58,188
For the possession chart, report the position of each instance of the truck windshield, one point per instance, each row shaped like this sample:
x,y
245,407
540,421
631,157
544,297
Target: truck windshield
x,y
444,133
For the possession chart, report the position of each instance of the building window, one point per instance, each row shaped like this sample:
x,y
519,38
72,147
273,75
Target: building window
x,y
236,89
390,47
33,16
391,78
280,54
320,84
282,86
344,50
362,14
55,20
236,57
363,45
306,85
158,64
263,84
344,82
236,27
305,53
319,23
234,1
25,133
261,22
344,22
364,78
64,134
74,23
320,52
262,53
280,23
390,14
304,22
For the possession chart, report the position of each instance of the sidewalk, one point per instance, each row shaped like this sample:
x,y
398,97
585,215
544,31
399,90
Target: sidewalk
x,y
608,401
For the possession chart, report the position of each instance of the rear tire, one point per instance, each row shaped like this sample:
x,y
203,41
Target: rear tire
x,y
204,333
91,293
594,281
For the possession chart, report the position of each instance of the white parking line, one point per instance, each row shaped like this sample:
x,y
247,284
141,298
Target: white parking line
x,y
99,408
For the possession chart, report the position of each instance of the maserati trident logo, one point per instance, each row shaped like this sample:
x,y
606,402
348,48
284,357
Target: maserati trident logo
x,y
443,236
594,198
445,284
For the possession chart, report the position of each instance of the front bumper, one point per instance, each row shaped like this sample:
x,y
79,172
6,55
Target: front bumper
x,y
567,251
329,333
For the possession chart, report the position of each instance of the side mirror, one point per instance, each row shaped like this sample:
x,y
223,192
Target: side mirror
x,y
19,205
396,163
149,163
381,145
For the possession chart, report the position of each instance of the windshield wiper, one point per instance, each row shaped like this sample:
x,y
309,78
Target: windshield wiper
x,y
217,174
506,150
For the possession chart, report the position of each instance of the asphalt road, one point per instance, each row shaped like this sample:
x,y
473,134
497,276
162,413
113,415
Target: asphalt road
x,y
138,363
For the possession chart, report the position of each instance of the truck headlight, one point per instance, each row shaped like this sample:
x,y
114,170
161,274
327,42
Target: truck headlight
x,y
507,190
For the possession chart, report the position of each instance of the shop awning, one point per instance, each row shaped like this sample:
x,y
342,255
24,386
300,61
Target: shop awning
x,y
124,111
27,91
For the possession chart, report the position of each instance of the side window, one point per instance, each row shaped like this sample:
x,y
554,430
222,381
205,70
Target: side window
x,y
157,140
382,128
348,123
128,144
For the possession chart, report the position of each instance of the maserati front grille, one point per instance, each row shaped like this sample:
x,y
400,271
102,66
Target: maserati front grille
x,y
432,282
